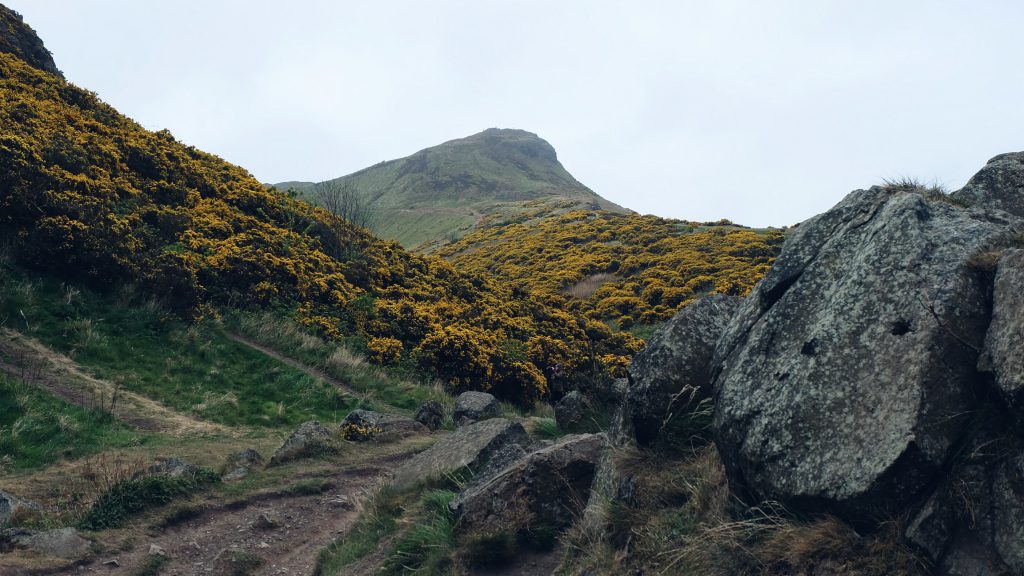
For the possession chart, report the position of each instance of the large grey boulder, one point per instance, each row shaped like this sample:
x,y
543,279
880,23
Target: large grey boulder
x,y
472,446
999,185
475,406
366,424
309,439
548,489
847,375
12,507
672,373
571,411
1003,354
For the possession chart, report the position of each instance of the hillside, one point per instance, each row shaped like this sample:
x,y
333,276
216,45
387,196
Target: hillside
x,y
89,196
19,39
629,270
442,192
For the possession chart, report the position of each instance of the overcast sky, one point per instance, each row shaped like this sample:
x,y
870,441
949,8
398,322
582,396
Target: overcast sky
x,y
762,112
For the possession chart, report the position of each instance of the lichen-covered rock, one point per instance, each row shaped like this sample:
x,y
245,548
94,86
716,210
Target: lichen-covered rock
x,y
571,411
1003,355
309,439
846,376
672,373
470,446
362,425
546,489
999,185
475,406
430,414
240,464
174,467
61,542
12,507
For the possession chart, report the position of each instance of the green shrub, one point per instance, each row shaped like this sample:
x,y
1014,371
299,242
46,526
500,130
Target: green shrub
x,y
130,497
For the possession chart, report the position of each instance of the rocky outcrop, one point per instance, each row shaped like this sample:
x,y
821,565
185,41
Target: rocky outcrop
x,y
475,406
366,424
1003,355
999,185
546,489
430,414
12,507
19,39
845,378
471,446
309,439
672,373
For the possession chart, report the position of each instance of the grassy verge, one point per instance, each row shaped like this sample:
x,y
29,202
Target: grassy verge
x,y
194,369
37,429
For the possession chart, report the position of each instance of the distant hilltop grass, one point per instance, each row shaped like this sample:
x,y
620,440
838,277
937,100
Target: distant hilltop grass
x,y
438,194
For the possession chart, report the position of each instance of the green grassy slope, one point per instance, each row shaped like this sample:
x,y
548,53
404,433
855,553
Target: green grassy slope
x,y
443,192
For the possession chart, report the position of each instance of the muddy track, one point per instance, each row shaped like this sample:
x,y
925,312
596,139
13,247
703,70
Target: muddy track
x,y
29,360
309,370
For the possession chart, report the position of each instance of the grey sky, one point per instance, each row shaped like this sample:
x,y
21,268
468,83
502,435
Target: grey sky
x,y
762,112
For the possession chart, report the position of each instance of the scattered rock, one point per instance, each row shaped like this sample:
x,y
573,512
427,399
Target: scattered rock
x,y
309,439
13,507
430,414
571,411
155,550
546,489
61,542
672,373
264,522
475,406
472,446
174,467
112,562
1003,355
263,545
999,185
241,463
361,425
845,378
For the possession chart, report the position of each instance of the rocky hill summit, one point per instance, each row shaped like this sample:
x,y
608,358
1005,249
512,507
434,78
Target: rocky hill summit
x,y
875,373
18,38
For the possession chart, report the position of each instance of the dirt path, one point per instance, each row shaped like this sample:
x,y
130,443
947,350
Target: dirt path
x,y
310,370
228,537
29,360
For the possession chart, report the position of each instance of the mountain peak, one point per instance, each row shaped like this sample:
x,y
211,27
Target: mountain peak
x,y
19,39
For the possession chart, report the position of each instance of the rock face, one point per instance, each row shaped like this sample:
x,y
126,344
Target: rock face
x,y
1003,355
12,506
20,39
999,185
430,414
472,445
366,424
844,379
310,438
546,489
475,406
673,371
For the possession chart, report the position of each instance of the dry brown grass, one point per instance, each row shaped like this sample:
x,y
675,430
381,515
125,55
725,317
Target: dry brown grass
x,y
682,519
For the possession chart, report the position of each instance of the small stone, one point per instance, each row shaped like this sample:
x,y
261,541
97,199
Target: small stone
x,y
113,562
264,522
263,545
155,550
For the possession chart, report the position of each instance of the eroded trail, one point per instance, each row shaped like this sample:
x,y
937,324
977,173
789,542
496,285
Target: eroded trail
x,y
309,370
28,359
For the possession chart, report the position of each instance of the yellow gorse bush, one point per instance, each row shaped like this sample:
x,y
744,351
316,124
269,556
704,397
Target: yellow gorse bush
x,y
625,268
89,195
